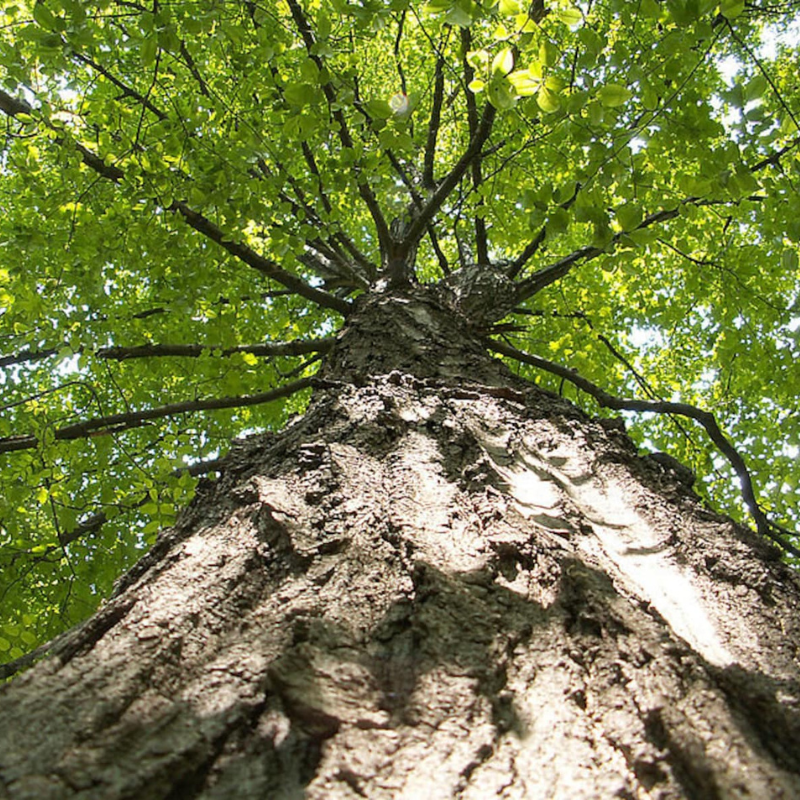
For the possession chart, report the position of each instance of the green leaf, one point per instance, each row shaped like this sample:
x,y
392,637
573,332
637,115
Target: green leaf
x,y
379,109
790,260
755,88
613,95
44,16
549,54
557,221
438,6
478,59
300,94
503,62
569,16
650,9
149,51
629,216
500,94
731,9
461,14
548,100
524,85
683,12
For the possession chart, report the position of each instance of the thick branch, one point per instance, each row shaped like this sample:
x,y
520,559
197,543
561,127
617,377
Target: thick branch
x,y
27,356
528,253
425,217
13,106
264,265
544,277
553,272
115,423
705,418
533,246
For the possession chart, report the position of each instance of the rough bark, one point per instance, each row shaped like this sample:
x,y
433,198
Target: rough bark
x,y
440,582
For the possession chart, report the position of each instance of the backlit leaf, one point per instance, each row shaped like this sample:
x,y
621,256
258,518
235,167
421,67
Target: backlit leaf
x,y
613,95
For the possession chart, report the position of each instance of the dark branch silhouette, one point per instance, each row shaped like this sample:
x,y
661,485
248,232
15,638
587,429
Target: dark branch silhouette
x,y
445,188
705,418
115,423
297,348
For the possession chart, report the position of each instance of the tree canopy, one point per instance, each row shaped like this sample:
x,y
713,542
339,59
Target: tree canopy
x,y
194,194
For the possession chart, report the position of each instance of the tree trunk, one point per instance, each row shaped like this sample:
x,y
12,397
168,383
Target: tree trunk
x,y
440,582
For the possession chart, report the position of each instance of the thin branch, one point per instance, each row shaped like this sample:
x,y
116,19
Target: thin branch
x,y
340,237
640,379
775,158
434,122
296,348
481,240
705,418
441,258
311,163
189,62
399,62
114,423
94,522
364,189
126,90
553,272
192,67
764,72
621,358
10,668
336,261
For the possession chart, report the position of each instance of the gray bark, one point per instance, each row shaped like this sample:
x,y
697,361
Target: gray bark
x,y
440,582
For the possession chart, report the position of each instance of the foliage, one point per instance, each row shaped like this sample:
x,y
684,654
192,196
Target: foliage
x,y
184,183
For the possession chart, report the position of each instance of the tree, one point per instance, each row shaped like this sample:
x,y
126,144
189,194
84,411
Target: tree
x,y
443,577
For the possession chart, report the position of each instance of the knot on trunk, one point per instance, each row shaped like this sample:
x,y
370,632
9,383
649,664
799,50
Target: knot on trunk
x,y
483,293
